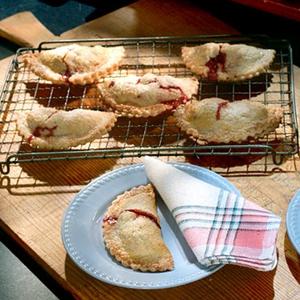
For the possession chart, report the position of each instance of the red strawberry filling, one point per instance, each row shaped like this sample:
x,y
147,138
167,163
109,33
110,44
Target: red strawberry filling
x,y
42,131
112,220
174,103
219,108
215,64
143,213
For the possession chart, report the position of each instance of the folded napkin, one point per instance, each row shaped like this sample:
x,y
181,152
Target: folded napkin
x,y
219,226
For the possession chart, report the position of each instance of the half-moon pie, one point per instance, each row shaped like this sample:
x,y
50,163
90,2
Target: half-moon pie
x,y
74,63
49,128
226,62
219,121
149,95
132,234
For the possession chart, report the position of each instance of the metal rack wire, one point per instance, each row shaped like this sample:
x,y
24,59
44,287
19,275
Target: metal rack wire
x,y
159,136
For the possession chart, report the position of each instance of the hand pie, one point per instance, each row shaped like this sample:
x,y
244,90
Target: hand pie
x,y
225,62
74,63
149,95
131,231
49,128
220,121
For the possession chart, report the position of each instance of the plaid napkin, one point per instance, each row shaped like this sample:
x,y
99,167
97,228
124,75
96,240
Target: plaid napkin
x,y
219,226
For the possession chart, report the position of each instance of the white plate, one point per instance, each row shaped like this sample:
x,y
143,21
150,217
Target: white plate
x,y
82,232
293,221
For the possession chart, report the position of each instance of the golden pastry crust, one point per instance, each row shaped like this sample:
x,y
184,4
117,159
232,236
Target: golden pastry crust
x,y
132,233
49,128
149,95
74,63
225,62
219,121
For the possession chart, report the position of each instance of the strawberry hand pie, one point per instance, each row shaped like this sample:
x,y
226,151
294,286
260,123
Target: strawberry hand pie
x,y
225,62
49,128
132,234
74,63
219,121
149,95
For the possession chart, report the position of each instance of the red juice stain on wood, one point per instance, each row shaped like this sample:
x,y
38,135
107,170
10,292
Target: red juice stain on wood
x,y
143,213
214,64
219,108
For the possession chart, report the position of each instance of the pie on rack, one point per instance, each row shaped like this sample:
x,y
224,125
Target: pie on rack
x,y
132,234
49,128
226,62
149,95
74,63
219,121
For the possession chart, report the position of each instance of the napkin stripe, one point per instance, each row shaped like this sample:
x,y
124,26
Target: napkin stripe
x,y
232,222
235,220
235,211
212,229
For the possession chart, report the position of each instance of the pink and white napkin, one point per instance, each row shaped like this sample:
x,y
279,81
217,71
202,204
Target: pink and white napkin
x,y
219,226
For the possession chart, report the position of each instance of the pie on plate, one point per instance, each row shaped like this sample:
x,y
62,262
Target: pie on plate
x,y
131,231
74,63
149,95
49,128
220,121
226,62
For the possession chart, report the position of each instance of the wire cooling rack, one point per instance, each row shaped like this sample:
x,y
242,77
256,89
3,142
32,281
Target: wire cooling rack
x,y
157,136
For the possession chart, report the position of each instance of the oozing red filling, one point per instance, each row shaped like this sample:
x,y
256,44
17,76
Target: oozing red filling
x,y
175,102
172,102
214,64
220,106
42,131
143,213
67,74
112,220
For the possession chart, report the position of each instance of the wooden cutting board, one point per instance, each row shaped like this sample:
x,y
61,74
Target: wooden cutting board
x,y
24,29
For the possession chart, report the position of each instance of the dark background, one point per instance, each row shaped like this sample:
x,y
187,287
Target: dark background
x,y
61,15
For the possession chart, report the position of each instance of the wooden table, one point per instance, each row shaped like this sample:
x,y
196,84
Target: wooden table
x,y
34,196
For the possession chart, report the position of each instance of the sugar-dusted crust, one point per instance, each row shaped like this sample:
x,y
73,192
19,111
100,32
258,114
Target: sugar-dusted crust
x,y
219,121
74,63
135,240
49,128
149,95
225,62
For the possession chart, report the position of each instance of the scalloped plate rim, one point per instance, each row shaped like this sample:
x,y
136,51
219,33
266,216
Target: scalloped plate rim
x,y
109,278
292,215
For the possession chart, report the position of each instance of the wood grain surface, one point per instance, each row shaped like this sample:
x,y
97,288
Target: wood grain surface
x,y
35,196
24,29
